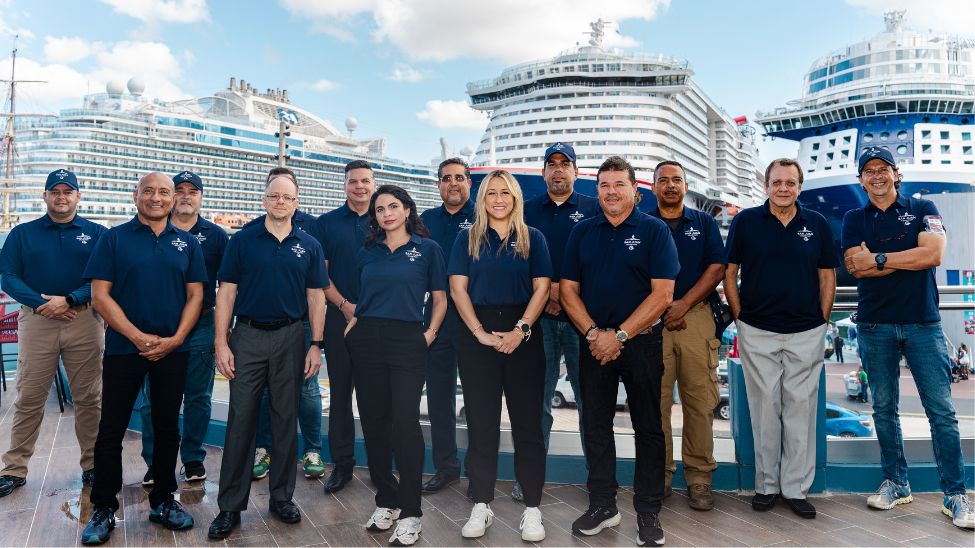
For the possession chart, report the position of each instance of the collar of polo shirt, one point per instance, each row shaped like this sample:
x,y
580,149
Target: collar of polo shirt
x,y
901,201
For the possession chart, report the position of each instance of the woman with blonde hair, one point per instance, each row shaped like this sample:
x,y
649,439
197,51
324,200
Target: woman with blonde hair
x,y
500,272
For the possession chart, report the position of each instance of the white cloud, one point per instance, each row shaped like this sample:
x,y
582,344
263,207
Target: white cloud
x,y
405,73
68,49
452,114
63,85
324,85
9,31
955,16
170,11
439,30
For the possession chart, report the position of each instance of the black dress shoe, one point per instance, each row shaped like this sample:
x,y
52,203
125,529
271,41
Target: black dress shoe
x,y
801,507
223,525
9,483
340,476
764,503
286,511
439,481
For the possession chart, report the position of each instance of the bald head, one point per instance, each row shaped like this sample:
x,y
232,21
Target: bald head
x,y
154,196
156,178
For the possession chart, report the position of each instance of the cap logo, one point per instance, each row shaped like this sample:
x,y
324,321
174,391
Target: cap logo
x,y
61,174
185,175
805,234
298,250
558,146
179,244
413,254
632,242
83,238
692,233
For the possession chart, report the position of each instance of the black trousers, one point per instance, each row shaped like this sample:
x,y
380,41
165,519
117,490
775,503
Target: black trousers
x,y
442,394
389,363
341,422
486,374
640,366
274,360
122,379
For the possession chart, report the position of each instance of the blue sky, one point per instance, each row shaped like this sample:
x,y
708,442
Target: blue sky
x,y
400,66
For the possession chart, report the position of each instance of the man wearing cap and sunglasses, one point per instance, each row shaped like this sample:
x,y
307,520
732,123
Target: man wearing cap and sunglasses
x,y
893,246
199,369
41,264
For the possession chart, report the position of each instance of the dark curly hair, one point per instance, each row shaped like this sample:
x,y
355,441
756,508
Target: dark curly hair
x,y
414,225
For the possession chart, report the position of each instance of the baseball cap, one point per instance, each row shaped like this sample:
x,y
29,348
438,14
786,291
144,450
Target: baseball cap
x,y
188,177
61,177
871,153
561,148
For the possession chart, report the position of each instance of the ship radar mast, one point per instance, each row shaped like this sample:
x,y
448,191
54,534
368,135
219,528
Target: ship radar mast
x,y
597,33
894,20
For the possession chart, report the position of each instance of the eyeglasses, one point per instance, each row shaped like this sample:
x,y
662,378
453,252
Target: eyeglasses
x,y
276,197
879,171
456,178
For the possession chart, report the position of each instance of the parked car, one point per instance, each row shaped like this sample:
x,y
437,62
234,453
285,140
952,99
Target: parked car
x,y
847,423
564,395
723,411
425,409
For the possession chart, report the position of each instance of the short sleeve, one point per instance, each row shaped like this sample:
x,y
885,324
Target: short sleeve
x,y
852,229
230,266
196,270
928,209
437,272
539,259
827,254
320,232
714,252
570,261
101,264
733,247
460,259
317,276
664,263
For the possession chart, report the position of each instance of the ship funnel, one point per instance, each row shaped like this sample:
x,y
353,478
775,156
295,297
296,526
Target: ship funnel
x,y
233,84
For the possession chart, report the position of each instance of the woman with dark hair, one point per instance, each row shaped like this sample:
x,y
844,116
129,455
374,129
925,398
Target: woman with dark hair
x,y
500,273
397,267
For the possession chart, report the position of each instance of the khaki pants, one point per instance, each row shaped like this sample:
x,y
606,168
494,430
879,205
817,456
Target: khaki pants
x,y
79,344
691,359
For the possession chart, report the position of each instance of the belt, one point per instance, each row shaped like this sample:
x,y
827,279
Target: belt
x,y
266,326
77,308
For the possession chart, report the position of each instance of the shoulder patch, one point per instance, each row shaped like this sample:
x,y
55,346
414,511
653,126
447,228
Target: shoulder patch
x,y
933,224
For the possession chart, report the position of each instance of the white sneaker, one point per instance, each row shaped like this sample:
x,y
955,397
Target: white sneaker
x,y
481,518
407,532
531,526
382,519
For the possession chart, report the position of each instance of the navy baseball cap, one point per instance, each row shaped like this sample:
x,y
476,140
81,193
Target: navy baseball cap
x,y
188,177
561,148
871,153
61,177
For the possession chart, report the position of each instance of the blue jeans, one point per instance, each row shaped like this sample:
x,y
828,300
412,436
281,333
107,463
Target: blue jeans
x,y
197,396
923,345
309,413
560,339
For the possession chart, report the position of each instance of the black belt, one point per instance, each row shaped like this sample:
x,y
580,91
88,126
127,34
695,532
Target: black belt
x,y
266,326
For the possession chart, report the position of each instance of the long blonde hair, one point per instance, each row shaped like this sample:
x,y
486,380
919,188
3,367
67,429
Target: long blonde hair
x,y
477,237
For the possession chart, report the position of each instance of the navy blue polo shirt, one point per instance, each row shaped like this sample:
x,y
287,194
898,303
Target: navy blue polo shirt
x,y
499,277
342,233
43,256
614,265
213,240
444,226
149,276
394,283
300,219
779,267
906,296
699,246
272,276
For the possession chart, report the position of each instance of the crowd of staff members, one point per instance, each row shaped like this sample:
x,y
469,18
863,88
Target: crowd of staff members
x,y
500,290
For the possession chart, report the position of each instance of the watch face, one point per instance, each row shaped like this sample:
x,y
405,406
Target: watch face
x,y
621,336
525,328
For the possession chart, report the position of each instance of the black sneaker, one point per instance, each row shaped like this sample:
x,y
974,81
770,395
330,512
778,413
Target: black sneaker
x,y
171,515
763,503
650,530
99,528
9,483
801,507
147,480
596,519
194,471
88,477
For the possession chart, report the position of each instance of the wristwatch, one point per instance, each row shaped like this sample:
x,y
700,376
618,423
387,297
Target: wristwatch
x,y
319,344
621,336
526,329
881,260
592,327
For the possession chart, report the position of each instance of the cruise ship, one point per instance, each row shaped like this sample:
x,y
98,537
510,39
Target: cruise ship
x,y
646,108
231,139
912,93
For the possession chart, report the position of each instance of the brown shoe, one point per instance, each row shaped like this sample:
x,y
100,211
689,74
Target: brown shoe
x,y
700,497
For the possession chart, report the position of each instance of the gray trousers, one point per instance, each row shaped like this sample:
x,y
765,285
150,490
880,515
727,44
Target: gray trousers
x,y
274,359
782,379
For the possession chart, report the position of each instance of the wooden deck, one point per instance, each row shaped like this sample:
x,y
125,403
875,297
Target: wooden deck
x,y
52,509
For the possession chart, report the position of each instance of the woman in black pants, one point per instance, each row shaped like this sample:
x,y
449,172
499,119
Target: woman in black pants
x,y
500,273
397,267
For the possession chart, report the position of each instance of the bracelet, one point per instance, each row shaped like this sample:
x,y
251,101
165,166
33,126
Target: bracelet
x,y
341,304
433,330
588,331
474,331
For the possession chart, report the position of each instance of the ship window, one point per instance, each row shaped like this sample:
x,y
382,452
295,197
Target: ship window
x,y
846,139
965,136
902,149
829,155
926,134
925,162
813,158
945,162
967,150
902,135
945,149
832,142
846,153
884,136
926,149
944,135
867,137
815,146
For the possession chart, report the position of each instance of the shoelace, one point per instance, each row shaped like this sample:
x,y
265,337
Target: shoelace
x,y
261,453
700,488
964,504
407,526
314,458
102,515
648,520
888,488
532,516
382,514
482,513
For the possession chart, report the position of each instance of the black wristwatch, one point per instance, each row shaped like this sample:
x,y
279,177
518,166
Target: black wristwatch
x,y
526,329
881,260
319,344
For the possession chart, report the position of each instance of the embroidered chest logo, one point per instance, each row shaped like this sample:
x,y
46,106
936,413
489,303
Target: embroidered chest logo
x,y
413,254
631,242
805,234
576,217
83,238
179,244
692,233
906,218
298,250
200,237
465,224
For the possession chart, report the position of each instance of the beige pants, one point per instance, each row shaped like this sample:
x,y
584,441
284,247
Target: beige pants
x,y
79,344
691,359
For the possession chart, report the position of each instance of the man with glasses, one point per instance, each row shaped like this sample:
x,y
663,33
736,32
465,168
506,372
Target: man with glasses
x,y
893,246
41,265
444,222
271,277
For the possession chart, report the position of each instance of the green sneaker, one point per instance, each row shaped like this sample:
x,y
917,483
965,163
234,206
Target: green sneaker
x,y
312,465
262,463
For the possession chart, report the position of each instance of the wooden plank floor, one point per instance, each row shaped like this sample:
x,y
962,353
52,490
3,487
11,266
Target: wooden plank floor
x,y
53,507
